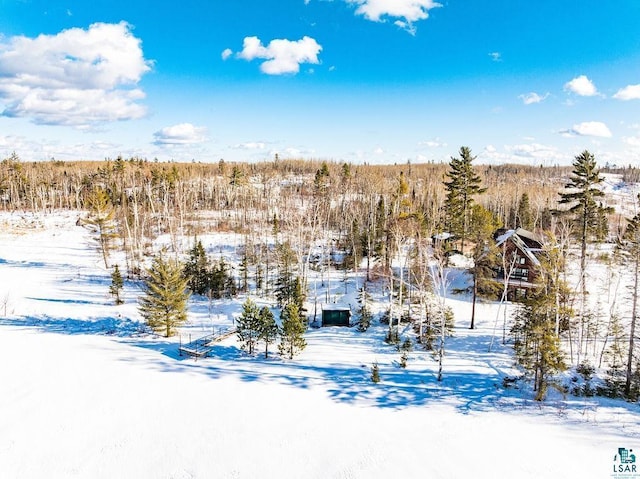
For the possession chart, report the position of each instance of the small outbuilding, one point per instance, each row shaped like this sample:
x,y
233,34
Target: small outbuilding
x,y
336,315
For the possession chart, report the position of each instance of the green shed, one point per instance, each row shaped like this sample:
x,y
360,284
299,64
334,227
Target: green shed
x,y
333,315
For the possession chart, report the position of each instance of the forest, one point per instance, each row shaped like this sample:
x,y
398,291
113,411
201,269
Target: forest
x,y
384,222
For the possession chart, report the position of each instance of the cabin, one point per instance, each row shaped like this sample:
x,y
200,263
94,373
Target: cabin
x,y
522,249
336,315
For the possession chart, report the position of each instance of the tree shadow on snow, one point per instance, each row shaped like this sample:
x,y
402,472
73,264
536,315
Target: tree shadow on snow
x,y
112,326
399,388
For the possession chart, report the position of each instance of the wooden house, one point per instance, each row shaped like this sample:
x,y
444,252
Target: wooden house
x,y
522,250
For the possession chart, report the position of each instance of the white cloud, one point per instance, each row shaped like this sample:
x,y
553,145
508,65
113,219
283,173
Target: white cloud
x,y
490,149
76,77
534,152
283,56
409,10
181,134
435,143
633,141
496,56
630,92
251,145
533,97
226,53
581,86
589,128
30,149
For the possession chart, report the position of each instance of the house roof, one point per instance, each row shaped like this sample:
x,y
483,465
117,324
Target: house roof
x,y
518,237
335,307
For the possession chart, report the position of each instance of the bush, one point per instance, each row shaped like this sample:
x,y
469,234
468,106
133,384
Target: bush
x,y
375,373
392,336
403,360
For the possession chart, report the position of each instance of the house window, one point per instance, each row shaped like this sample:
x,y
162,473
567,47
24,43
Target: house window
x,y
521,273
523,260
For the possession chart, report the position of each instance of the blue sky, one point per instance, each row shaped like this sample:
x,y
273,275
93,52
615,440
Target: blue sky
x,y
377,81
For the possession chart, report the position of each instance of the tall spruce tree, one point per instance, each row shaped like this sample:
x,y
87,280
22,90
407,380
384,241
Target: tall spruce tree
x,y
582,195
164,303
248,326
269,330
524,216
463,183
292,331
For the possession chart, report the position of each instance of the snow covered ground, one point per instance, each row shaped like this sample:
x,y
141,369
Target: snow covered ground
x,y
86,393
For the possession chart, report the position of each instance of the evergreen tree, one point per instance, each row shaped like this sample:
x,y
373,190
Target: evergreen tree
x,y
375,373
524,216
164,303
101,221
292,331
485,256
236,178
321,179
248,326
285,282
244,271
221,281
298,294
196,269
615,379
536,341
269,330
588,214
462,185
116,285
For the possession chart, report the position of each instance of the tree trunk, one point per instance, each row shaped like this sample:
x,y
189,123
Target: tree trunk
x,y
473,302
632,332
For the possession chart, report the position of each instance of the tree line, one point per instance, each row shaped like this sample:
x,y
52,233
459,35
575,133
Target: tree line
x,y
298,216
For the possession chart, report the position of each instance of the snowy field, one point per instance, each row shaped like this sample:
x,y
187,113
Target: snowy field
x,y
87,393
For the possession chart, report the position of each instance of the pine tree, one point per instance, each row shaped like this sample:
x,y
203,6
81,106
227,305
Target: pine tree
x,y
116,285
269,329
485,256
536,341
615,379
196,269
286,283
101,221
375,373
244,271
524,217
248,326
463,184
588,214
321,179
221,281
236,178
292,331
164,303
